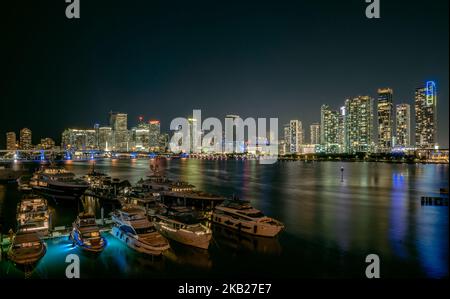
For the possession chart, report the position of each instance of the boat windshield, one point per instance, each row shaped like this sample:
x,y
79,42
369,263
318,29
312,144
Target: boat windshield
x,y
145,230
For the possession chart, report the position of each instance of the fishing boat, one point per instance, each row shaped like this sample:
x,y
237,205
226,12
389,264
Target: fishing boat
x,y
33,214
132,227
26,248
241,216
86,233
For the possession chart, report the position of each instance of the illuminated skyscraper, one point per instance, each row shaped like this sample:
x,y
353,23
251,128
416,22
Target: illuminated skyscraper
x,y
105,138
403,125
47,143
385,113
154,132
329,129
11,142
426,115
287,138
314,130
295,136
359,124
140,136
25,139
119,124
79,139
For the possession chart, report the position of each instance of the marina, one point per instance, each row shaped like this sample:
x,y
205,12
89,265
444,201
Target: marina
x,y
183,255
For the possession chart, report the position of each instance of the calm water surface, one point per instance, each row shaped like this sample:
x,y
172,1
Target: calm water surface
x,y
331,225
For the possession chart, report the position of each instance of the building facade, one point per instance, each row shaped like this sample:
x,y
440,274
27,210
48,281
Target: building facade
x,y
426,115
385,119
26,139
314,132
403,125
11,141
295,136
329,129
359,124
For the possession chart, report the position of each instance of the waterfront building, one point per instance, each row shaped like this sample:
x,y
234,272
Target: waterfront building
x,y
314,131
119,124
359,124
11,141
426,115
403,125
105,138
163,142
154,133
329,129
140,136
25,139
47,144
295,136
385,116
341,130
79,139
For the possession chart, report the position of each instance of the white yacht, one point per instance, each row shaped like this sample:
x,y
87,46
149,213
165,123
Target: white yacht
x,y
33,215
241,216
58,182
26,248
86,233
132,226
183,228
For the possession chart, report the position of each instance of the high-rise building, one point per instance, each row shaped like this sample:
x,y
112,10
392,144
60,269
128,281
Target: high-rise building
x,y
25,139
79,139
11,142
105,138
140,136
314,130
403,125
295,136
385,113
154,132
329,129
359,124
341,129
119,124
426,115
287,138
163,142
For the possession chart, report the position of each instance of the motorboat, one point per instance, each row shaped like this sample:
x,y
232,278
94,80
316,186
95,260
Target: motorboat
x,y
86,233
33,214
26,249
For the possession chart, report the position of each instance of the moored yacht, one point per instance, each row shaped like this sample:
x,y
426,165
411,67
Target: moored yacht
x,y
241,216
183,228
26,249
58,182
132,227
86,234
33,214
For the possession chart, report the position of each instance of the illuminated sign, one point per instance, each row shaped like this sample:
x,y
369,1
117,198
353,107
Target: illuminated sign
x,y
430,92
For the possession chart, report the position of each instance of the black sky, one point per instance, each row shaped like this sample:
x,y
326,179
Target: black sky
x,y
161,59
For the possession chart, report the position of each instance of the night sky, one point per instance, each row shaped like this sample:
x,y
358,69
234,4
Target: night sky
x,y
161,59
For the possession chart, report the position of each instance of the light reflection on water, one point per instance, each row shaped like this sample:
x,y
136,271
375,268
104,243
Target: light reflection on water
x,y
331,224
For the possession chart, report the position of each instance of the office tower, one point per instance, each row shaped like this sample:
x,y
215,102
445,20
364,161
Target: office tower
x,y
329,129
11,141
426,115
78,139
154,132
314,130
403,125
119,124
287,138
341,130
385,114
140,136
25,139
105,137
295,136
359,124
163,142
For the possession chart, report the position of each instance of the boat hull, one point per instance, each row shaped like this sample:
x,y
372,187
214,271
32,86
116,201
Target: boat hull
x,y
184,237
136,244
252,228
61,192
27,259
95,248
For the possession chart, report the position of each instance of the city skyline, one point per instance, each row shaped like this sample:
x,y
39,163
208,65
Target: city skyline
x,y
252,64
